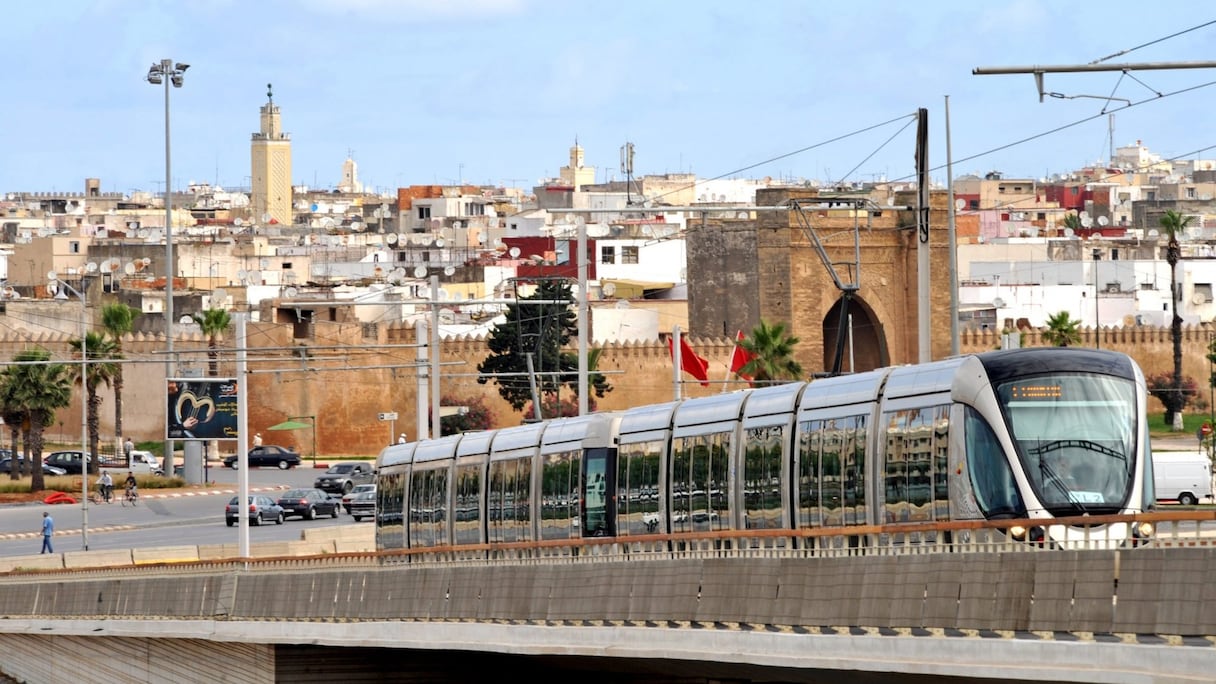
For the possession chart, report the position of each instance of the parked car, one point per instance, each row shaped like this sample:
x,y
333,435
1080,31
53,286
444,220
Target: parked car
x,y
6,466
363,505
261,509
342,477
69,461
308,503
267,455
359,489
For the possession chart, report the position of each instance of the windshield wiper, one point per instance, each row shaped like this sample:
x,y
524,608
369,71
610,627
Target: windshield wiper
x,y
1049,475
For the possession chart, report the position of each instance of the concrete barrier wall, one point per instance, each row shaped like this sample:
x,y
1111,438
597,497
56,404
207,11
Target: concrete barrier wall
x,y
1161,592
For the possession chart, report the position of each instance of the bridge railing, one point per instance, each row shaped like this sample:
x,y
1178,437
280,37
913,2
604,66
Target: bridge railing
x,y
1170,529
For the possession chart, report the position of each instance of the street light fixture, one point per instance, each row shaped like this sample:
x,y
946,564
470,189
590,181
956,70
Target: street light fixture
x,y
59,290
166,72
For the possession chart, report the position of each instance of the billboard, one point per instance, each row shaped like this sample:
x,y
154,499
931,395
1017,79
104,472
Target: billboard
x,y
201,408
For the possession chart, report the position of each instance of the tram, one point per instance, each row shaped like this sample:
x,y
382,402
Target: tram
x,y
1036,433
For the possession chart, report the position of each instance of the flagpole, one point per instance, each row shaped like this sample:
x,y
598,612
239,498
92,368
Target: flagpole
x,y
676,356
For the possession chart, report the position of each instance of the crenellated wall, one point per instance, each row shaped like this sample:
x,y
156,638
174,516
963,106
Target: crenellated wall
x,y
352,373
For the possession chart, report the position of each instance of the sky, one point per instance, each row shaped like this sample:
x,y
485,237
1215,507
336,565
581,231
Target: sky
x,y
497,91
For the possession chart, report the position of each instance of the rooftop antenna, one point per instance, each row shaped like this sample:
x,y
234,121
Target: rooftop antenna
x,y
627,169
269,94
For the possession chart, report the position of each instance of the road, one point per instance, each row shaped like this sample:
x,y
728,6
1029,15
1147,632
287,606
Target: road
x,y
168,518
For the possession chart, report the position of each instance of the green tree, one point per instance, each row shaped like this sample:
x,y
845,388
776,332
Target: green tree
x,y
14,417
213,323
100,354
772,355
40,387
118,320
1062,330
538,330
1162,386
1174,223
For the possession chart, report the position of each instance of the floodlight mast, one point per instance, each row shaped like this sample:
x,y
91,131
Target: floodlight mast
x,y
164,73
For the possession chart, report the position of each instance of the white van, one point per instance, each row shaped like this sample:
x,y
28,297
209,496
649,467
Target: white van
x,y
142,463
1182,476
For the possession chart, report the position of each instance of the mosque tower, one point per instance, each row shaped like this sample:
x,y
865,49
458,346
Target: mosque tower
x,y
270,154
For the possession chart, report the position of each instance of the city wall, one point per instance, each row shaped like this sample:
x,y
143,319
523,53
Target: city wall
x,y
343,378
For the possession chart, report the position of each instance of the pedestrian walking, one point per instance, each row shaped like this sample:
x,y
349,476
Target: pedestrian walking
x,y
127,447
401,439
48,530
257,439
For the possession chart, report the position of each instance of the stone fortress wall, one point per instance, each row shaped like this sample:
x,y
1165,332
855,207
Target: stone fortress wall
x,y
348,379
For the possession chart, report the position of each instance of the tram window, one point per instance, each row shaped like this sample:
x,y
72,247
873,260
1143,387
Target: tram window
x,y
559,506
909,465
991,475
466,518
854,474
638,487
764,452
808,474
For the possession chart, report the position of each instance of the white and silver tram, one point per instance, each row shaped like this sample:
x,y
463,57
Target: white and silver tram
x,y
1036,433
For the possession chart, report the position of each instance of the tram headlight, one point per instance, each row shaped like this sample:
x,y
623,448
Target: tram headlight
x,y
1018,532
1143,530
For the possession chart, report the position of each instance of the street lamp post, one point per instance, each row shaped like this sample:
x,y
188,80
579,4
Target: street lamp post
x,y
166,72
59,287
1097,320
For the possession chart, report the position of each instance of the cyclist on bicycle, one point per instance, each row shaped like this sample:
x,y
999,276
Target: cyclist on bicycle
x,y
106,486
132,487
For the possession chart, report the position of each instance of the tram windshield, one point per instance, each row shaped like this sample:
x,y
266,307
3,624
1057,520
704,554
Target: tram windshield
x,y
1075,435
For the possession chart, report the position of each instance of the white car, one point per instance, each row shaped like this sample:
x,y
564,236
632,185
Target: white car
x,y
351,494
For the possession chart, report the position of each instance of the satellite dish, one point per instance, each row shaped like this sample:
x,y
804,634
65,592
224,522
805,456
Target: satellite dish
x,y
396,275
1102,221
255,277
327,222
242,274
608,289
219,294
356,226
186,320
391,238
514,252
1153,233
52,275
1198,298
449,270
420,271
402,238
597,230
264,263
90,267
43,232
1129,320
960,204
457,224
1068,232
439,242
266,217
128,268
237,222
291,292
1083,215
998,303
141,233
1087,222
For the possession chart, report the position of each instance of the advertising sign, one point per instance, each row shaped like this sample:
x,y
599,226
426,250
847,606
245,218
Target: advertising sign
x,y
201,408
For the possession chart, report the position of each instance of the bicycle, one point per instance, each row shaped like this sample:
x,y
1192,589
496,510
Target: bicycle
x,y
101,495
131,497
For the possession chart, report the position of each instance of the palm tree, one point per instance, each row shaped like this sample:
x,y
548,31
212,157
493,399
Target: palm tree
x,y
1072,221
213,322
14,417
100,352
1175,223
1062,330
118,320
771,351
40,387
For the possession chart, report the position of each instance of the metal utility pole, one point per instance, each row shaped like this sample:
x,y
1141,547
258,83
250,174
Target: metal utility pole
x,y
1039,70
952,238
925,340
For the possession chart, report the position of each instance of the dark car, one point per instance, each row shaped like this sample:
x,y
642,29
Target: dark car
x,y
261,509
363,505
342,477
267,455
69,461
356,491
6,466
308,503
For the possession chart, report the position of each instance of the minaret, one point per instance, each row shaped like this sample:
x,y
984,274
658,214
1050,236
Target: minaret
x,y
576,175
270,154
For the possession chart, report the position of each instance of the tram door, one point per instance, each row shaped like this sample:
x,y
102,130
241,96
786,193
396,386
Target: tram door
x,y
597,496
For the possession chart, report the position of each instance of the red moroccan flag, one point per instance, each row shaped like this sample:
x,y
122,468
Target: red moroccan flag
x,y
740,358
689,361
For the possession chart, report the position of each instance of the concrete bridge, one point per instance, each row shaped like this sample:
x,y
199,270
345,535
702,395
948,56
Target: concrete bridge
x,y
705,607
